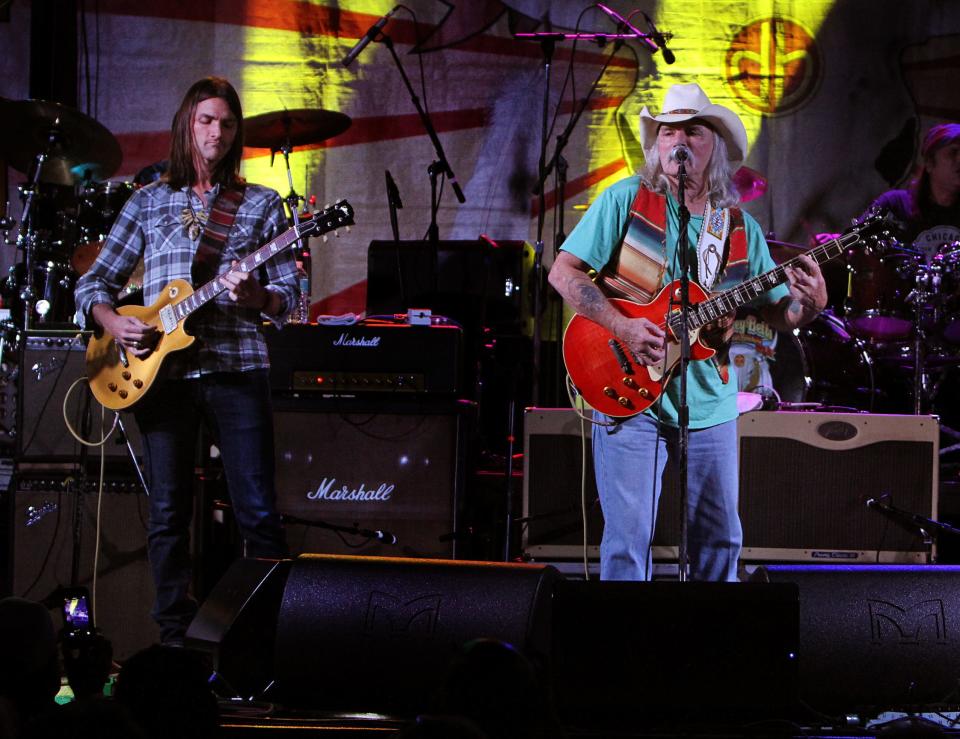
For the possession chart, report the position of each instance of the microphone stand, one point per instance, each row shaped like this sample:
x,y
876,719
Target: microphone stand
x,y
547,45
384,536
927,527
436,168
558,161
683,414
293,201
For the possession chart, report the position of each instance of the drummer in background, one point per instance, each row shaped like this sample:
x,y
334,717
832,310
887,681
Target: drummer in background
x,y
929,208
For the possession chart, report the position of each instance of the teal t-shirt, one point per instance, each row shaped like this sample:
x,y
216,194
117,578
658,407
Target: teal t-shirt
x,y
596,239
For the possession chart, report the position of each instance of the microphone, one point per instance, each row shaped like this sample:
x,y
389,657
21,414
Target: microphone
x,y
367,38
393,192
385,536
621,21
680,153
658,37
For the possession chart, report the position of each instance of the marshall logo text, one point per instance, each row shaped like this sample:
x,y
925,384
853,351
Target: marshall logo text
x,y
346,339
326,491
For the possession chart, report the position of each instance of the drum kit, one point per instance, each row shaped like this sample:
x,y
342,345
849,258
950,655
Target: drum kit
x,y
69,203
68,206
887,348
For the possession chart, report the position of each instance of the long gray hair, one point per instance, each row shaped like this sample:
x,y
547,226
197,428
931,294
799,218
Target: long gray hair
x,y
720,187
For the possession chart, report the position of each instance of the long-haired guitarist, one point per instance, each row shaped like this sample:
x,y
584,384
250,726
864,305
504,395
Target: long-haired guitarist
x,y
193,224
629,237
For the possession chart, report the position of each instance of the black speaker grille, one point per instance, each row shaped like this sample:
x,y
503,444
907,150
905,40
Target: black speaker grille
x,y
554,504
804,496
394,472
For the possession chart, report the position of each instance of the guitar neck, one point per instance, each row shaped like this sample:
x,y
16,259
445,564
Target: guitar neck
x,y
729,300
249,263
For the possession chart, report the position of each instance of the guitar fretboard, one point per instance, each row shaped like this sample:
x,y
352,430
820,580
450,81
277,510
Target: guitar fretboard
x,y
333,217
729,300
204,294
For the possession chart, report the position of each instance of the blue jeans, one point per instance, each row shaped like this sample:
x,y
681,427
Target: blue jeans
x,y
236,408
630,485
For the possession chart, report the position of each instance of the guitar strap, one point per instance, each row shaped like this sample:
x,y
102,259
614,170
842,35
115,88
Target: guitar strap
x,y
223,212
637,270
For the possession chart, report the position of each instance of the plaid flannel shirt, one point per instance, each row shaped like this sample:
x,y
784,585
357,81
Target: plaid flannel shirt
x,y
229,338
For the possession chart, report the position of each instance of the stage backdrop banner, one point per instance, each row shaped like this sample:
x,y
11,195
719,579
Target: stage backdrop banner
x,y
835,97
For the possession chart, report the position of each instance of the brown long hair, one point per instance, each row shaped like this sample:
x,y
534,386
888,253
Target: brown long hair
x,y
181,171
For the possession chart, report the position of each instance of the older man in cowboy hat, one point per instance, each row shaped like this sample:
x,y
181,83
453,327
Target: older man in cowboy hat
x,y
629,238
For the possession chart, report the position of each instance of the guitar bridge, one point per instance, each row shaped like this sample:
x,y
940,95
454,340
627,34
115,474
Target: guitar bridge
x,y
621,356
168,319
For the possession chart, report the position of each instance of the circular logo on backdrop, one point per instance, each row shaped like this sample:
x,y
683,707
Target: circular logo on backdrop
x,y
773,65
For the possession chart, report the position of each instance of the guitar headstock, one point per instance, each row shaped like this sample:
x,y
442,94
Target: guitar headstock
x,y
331,218
877,231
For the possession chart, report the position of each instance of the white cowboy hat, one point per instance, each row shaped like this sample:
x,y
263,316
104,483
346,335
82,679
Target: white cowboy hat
x,y
683,102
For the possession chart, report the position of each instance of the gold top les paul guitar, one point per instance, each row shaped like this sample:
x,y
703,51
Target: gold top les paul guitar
x,y
119,380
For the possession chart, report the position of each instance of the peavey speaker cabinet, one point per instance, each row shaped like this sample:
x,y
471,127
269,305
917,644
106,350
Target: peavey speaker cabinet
x,y
371,477
805,480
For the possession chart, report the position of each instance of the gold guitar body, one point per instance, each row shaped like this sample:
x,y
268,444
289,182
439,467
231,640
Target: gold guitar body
x,y
119,386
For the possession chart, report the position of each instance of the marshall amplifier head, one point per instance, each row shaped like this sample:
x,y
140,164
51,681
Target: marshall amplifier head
x,y
367,358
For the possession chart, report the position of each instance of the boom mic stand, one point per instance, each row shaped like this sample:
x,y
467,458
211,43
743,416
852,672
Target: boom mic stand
x,y
548,42
927,527
558,161
439,167
293,200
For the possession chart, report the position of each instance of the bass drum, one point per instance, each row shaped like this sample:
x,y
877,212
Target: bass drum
x,y
818,366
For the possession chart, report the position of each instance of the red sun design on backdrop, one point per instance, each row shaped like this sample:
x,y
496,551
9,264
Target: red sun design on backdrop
x,y
773,65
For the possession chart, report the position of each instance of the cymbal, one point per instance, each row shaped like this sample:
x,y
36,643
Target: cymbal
x,y
749,183
298,127
83,148
783,251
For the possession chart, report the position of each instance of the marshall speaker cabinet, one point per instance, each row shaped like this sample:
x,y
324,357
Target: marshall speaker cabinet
x,y
805,482
370,478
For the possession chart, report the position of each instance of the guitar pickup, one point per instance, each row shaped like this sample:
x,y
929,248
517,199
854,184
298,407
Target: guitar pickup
x,y
168,319
621,356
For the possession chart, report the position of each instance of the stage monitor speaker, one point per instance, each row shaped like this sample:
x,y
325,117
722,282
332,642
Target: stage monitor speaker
x,y
237,624
882,636
396,470
386,630
42,526
626,651
804,482
52,363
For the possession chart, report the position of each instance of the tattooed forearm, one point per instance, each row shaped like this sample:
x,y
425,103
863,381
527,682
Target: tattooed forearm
x,y
586,297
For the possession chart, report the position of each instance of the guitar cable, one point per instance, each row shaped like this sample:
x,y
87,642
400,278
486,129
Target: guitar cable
x,y
100,444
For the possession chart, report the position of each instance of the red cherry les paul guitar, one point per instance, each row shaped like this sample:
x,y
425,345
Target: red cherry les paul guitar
x,y
608,374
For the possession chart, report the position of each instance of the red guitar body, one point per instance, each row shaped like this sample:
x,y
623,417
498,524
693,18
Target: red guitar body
x,y
604,370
